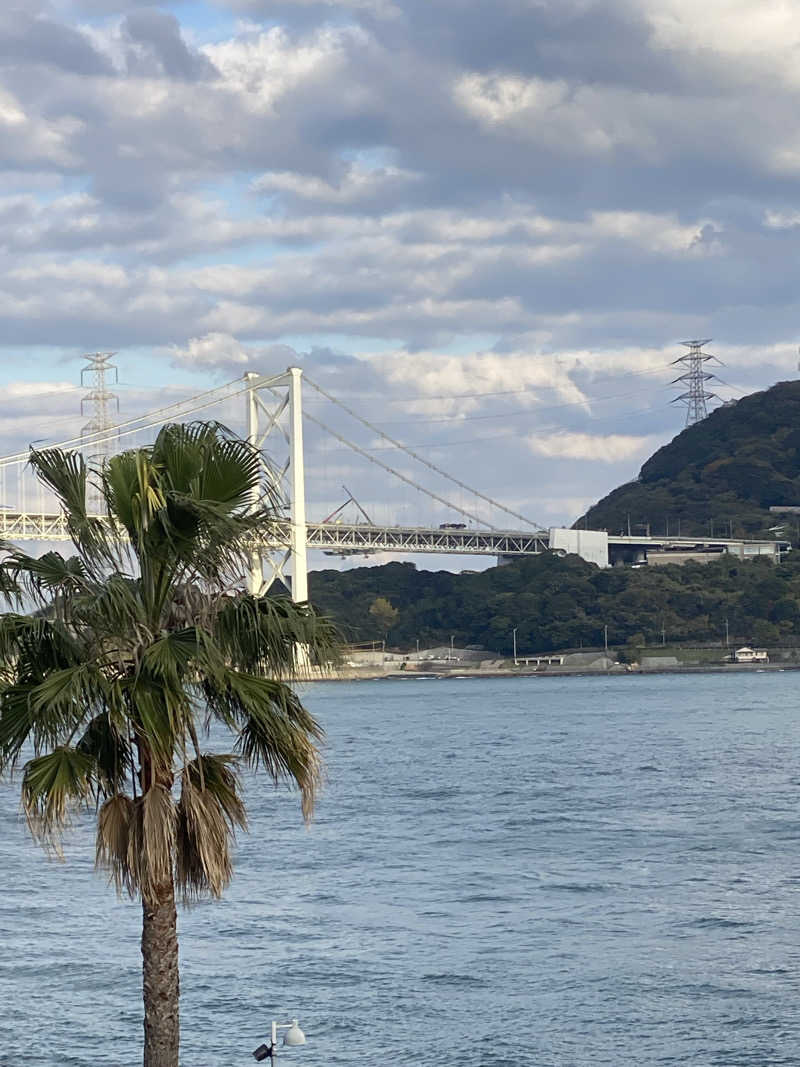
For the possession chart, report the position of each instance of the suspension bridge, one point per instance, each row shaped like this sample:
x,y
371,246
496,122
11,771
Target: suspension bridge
x,y
271,415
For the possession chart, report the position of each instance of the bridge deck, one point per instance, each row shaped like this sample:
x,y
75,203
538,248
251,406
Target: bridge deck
x,y
330,537
350,539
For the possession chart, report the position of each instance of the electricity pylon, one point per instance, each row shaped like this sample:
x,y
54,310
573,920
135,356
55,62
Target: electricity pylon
x,y
695,379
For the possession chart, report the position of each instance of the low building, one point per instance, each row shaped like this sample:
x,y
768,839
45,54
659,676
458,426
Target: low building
x,y
750,655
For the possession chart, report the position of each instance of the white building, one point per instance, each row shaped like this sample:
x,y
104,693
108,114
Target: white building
x,y
750,655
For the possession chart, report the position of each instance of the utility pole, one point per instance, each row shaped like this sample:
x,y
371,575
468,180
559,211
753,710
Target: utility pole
x,y
96,432
695,378
727,634
514,639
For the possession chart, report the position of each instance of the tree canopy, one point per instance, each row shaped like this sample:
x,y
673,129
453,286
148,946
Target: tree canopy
x,y
558,603
722,474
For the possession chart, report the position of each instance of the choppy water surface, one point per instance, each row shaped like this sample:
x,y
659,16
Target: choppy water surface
x,y
523,872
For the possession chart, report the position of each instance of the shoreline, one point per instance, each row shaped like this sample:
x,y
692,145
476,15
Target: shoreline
x,y
618,670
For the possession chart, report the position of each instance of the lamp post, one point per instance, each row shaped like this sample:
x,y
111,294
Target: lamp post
x,y
514,639
293,1036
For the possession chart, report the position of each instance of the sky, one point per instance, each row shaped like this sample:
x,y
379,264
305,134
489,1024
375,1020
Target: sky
x,y
486,227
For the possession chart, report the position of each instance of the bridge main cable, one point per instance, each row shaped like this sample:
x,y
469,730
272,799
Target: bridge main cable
x,y
139,422
421,459
403,478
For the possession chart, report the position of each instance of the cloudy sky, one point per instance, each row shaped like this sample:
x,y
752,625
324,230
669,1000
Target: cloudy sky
x,y
484,226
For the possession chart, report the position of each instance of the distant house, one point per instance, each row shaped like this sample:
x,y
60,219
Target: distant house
x,y
750,655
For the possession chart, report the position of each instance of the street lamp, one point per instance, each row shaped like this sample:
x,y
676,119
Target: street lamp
x,y
293,1036
514,639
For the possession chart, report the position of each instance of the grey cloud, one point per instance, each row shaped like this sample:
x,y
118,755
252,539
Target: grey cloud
x,y
116,7
159,48
682,138
28,38
599,42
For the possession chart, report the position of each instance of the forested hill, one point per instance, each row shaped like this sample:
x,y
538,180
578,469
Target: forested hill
x,y
726,471
558,603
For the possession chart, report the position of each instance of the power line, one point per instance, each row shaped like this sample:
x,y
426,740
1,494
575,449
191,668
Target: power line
x,y
552,428
514,392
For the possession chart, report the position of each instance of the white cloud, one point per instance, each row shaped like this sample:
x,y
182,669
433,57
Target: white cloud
x,y
212,350
596,448
465,381
762,35
356,184
262,67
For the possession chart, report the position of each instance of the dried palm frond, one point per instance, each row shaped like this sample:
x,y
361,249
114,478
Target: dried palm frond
x,y
151,843
209,811
112,852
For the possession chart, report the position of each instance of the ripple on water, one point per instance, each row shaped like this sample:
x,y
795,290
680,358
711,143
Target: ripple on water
x,y
548,873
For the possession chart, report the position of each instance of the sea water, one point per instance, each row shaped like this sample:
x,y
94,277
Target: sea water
x,y
539,871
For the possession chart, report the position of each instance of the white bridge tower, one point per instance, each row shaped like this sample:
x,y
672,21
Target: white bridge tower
x,y
275,409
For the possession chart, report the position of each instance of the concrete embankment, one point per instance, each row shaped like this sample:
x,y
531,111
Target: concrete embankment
x,y
372,672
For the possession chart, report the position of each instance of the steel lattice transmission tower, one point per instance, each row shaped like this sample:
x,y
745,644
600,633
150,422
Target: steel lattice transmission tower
x,y
695,379
96,432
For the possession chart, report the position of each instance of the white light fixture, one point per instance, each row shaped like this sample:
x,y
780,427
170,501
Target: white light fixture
x,y
294,1036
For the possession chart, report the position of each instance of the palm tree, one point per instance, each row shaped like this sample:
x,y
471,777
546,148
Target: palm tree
x,y
140,642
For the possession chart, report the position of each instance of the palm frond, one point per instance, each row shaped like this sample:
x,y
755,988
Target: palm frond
x,y
32,645
16,724
52,784
113,606
275,731
273,635
151,843
205,461
209,811
66,474
113,842
110,751
120,479
42,576
160,715
170,657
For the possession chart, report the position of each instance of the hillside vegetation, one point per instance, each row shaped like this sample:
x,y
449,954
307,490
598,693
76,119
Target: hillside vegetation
x,y
722,474
558,603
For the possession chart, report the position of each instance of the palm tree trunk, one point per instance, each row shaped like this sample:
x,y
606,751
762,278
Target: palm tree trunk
x,y
161,984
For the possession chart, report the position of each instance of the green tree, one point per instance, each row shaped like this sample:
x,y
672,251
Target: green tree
x,y
139,645
383,613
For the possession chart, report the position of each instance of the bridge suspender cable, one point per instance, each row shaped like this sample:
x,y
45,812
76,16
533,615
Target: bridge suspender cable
x,y
421,459
403,478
